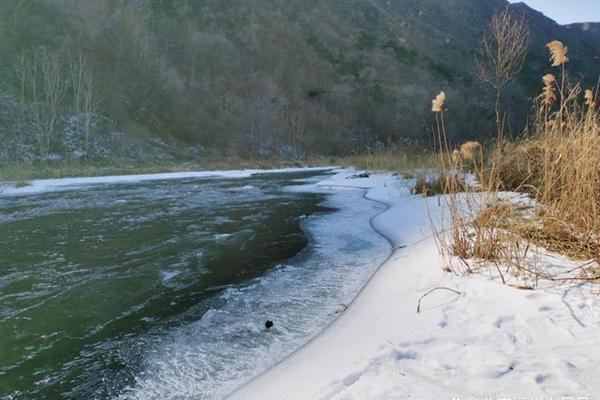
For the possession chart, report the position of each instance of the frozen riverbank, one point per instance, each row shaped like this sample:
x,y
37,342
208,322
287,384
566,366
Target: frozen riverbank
x,y
491,341
38,186
209,358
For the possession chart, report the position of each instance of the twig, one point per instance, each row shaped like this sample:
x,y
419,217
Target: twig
x,y
500,272
433,290
582,266
469,270
582,279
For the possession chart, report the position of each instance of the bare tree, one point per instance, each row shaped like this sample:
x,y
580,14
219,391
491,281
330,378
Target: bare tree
x,y
504,49
85,102
42,87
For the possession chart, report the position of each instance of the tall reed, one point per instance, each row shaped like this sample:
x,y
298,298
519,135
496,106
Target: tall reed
x,y
557,163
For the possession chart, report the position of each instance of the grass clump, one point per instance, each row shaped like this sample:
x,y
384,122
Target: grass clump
x,y
22,184
438,184
557,163
391,158
516,166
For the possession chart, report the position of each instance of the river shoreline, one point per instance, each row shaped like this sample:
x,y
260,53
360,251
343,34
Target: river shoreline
x,y
38,186
489,341
189,266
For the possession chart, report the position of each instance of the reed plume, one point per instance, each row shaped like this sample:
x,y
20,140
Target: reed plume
x,y
558,53
439,103
589,99
469,151
548,96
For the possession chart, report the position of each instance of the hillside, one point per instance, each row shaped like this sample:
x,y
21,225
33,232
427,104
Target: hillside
x,y
278,78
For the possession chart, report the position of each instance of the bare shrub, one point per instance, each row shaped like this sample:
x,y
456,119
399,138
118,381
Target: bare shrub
x,y
504,49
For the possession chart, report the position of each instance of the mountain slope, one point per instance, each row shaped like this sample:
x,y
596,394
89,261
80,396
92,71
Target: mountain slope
x,y
271,77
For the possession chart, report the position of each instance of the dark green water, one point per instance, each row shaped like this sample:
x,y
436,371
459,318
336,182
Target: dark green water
x,y
84,274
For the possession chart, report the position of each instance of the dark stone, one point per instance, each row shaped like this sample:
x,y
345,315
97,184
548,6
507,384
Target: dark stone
x,y
359,176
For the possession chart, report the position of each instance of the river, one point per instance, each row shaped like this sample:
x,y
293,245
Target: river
x,y
160,289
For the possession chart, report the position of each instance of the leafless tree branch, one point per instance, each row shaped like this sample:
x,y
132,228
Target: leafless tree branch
x,y
504,49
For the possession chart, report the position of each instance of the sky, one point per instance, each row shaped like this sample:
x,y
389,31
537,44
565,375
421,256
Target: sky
x,y
567,11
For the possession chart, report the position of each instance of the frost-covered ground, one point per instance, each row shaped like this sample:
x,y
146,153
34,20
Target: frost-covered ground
x,y
490,342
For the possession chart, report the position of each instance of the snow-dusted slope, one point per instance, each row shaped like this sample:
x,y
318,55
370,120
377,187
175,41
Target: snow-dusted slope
x,y
489,342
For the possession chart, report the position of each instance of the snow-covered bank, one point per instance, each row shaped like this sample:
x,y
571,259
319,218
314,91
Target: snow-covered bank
x,y
50,185
208,358
490,342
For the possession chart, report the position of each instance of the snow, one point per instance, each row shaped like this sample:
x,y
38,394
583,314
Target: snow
x,y
491,341
40,186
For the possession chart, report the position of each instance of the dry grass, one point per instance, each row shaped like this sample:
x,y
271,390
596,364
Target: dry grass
x,y
561,169
436,184
515,166
401,160
558,164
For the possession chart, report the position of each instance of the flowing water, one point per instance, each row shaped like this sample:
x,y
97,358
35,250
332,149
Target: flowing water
x,y
160,290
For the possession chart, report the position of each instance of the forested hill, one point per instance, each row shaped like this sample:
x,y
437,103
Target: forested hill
x,y
158,78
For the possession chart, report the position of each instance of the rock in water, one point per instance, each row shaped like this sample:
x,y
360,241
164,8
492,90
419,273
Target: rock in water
x,y
360,176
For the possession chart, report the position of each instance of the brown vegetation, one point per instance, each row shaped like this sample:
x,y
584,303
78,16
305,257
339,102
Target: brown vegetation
x,y
557,164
